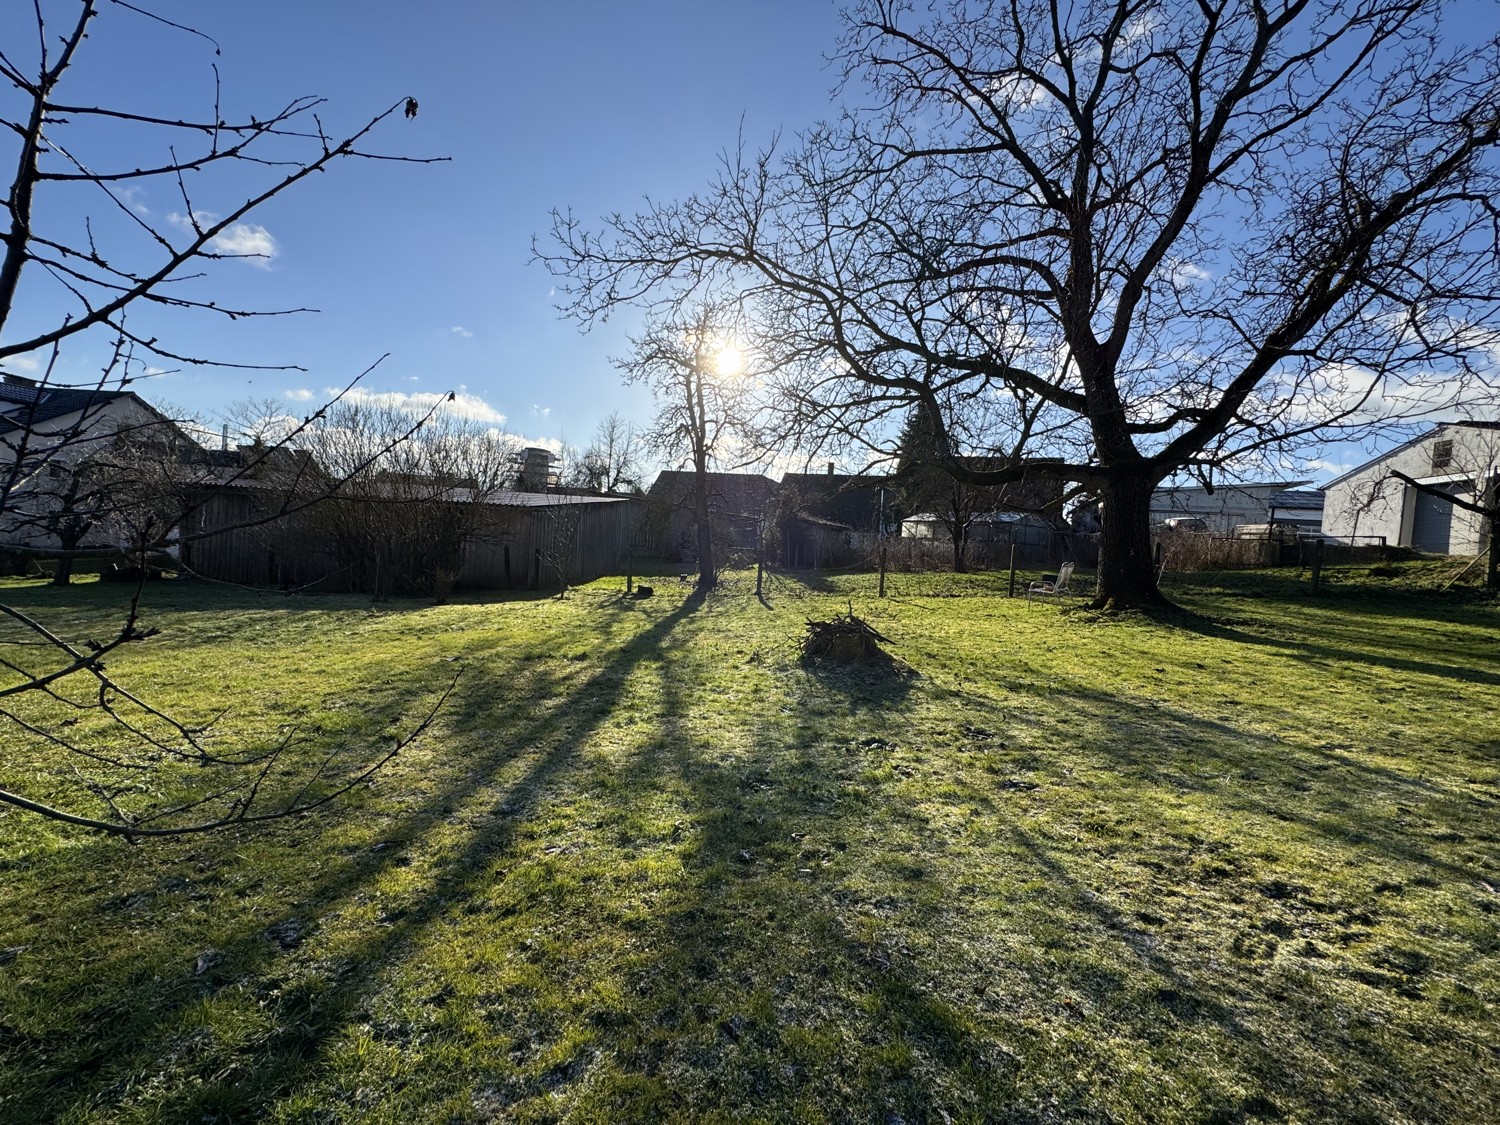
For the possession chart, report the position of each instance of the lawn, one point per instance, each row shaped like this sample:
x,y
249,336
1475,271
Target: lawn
x,y
1237,865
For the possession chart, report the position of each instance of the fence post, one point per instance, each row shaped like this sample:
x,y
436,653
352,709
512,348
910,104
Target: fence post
x,y
1317,564
882,570
760,570
1012,592
629,569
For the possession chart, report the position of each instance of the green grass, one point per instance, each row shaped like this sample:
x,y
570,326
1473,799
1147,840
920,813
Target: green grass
x,y
1235,866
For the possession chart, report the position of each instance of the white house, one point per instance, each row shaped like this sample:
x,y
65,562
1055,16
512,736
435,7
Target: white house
x,y
1368,504
46,433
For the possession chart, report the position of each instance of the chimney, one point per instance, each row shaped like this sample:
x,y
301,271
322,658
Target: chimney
x,y
224,438
830,468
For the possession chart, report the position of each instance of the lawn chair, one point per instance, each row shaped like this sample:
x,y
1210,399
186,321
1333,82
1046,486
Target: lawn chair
x,y
1055,588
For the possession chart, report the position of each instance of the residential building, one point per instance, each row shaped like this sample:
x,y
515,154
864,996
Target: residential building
x,y
737,504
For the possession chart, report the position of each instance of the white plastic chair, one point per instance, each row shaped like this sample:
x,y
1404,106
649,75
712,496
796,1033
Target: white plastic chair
x,y
1056,587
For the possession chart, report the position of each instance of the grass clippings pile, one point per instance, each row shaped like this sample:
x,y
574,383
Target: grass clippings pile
x,y
649,865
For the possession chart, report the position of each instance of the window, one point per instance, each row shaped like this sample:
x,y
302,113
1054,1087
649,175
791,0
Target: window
x,y
1442,454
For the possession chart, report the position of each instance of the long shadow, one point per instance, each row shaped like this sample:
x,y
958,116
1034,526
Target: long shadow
x,y
1307,649
766,823
1164,737
306,1018
719,937
764,876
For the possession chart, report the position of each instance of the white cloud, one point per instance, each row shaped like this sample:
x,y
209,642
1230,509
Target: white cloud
x,y
23,362
420,402
460,330
1016,93
249,241
542,443
540,411
1331,468
301,394
1184,273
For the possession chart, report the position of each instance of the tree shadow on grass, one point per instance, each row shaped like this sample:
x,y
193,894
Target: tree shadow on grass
x,y
858,926
819,957
1378,650
529,747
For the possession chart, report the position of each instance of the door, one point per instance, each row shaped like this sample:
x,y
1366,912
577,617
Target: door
x,y
1432,522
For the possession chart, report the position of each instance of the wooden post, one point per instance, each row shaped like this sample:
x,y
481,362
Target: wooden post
x,y
760,571
882,569
1012,592
629,570
1317,564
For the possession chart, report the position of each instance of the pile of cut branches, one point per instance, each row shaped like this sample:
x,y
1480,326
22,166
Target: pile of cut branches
x,y
846,639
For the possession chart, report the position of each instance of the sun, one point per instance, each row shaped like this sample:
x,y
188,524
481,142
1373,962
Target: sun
x,y
729,361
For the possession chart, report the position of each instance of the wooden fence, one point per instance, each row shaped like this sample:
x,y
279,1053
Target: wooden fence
x,y
545,542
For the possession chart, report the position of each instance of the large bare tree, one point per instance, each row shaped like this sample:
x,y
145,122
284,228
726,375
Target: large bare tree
x,y
81,260
1139,237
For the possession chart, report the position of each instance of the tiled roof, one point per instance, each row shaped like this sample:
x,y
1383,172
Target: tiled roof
x,y
838,497
23,406
740,494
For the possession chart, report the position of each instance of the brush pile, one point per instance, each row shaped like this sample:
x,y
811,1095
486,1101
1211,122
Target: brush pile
x,y
846,639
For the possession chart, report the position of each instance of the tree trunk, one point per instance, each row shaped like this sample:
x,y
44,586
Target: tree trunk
x,y
1127,574
706,576
1492,564
69,535
958,550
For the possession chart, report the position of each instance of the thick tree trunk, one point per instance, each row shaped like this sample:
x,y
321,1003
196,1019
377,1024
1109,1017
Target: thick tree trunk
x,y
1127,574
958,550
62,574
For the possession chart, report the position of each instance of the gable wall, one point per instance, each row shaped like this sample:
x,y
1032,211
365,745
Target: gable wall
x,y
1370,503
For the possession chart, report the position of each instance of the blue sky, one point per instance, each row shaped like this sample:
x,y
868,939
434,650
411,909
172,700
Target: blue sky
x,y
576,103
579,103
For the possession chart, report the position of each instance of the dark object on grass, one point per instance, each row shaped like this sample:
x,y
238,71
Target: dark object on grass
x,y
117,573
846,639
644,591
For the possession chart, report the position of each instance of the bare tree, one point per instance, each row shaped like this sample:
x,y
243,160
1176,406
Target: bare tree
x,y
394,503
1142,237
693,367
612,462
81,262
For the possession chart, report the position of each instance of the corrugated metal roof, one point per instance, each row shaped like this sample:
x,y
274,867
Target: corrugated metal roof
x,y
1297,500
